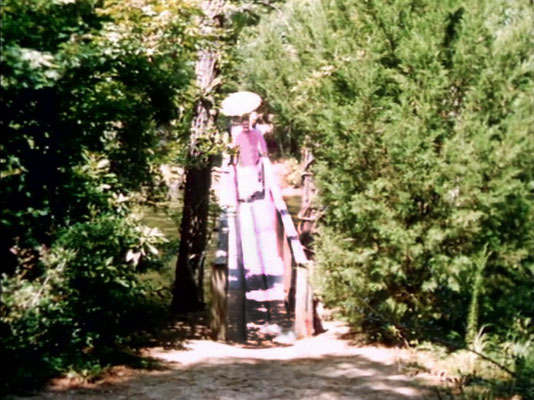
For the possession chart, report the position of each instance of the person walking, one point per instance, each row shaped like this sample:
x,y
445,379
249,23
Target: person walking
x,y
250,146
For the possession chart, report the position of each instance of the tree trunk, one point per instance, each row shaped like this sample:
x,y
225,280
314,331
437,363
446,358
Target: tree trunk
x,y
193,237
187,291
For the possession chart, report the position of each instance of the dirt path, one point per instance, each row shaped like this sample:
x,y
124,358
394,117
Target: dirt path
x,y
323,367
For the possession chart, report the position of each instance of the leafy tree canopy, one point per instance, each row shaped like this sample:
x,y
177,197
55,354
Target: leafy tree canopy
x,y
94,95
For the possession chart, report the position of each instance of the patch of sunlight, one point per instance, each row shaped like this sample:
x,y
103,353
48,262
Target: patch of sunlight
x,y
401,378
351,372
274,293
405,391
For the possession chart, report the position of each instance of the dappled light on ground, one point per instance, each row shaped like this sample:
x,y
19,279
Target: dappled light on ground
x,y
321,367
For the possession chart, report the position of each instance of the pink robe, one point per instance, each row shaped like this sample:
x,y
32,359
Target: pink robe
x,y
251,147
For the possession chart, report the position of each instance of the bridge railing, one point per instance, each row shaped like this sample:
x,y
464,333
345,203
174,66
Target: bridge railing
x,y
228,260
297,288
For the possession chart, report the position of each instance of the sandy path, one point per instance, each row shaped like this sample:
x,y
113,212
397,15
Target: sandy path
x,y
323,367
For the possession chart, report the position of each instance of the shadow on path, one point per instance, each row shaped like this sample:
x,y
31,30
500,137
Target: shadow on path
x,y
322,367
327,377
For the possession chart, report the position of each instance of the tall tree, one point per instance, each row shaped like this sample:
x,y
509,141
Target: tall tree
x,y
193,230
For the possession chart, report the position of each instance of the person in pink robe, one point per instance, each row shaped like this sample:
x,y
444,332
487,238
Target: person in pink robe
x,y
251,146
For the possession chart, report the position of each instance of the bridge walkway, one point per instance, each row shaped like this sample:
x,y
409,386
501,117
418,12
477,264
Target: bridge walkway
x,y
260,276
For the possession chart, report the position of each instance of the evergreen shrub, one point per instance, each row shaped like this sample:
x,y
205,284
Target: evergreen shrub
x,y
421,119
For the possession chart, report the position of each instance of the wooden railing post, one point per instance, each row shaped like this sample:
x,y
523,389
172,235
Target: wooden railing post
x,y
219,283
303,304
299,295
226,262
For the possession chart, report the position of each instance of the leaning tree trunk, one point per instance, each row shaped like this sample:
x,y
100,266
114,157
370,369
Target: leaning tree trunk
x,y
187,291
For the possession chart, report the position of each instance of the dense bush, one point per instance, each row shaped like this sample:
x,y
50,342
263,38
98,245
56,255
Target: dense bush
x,y
76,78
83,307
94,95
421,118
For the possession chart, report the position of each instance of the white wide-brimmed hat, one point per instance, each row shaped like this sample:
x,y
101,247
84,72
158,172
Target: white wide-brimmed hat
x,y
240,103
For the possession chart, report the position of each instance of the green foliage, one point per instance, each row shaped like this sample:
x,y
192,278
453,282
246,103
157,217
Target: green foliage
x,y
490,369
473,314
518,351
86,303
94,95
421,117
78,77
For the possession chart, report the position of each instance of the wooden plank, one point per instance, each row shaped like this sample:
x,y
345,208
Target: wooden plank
x,y
303,304
237,325
260,237
219,271
219,306
289,227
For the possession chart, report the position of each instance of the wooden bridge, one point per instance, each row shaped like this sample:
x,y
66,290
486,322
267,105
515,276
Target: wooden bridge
x,y
260,282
